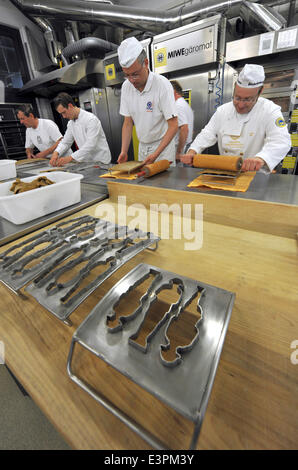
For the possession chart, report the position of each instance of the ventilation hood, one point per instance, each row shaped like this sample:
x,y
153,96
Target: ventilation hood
x,y
156,21
85,73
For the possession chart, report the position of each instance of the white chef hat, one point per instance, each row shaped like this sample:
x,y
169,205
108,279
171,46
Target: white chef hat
x,y
251,76
128,51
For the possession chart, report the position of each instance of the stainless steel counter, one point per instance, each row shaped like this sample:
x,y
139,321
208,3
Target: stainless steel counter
x,y
275,188
272,188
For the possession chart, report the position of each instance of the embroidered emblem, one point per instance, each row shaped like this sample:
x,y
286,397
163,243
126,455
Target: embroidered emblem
x,y
149,106
234,137
280,122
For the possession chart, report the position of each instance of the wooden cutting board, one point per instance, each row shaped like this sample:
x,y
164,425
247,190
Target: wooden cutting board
x,y
127,166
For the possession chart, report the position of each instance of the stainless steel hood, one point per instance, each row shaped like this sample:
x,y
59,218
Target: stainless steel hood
x,y
85,73
142,19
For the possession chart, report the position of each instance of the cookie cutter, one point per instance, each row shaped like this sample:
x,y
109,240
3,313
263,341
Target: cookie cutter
x,y
14,270
181,350
60,298
174,313
195,365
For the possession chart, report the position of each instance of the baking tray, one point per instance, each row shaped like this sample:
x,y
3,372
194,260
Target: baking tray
x,y
186,384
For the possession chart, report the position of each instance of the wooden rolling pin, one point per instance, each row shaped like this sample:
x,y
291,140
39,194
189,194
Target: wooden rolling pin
x,y
218,162
154,168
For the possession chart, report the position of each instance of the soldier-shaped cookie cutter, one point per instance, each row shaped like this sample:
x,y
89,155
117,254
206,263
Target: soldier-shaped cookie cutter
x,y
187,386
118,245
160,282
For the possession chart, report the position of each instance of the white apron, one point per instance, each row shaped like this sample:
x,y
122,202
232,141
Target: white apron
x,y
168,153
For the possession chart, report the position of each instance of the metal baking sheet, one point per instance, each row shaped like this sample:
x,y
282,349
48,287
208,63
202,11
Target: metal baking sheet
x,y
186,387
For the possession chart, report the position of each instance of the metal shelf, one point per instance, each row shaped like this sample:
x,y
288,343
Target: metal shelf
x,y
12,139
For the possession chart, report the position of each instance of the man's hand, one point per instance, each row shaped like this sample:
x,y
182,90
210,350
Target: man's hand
x,y
187,158
30,154
54,159
122,157
40,155
252,164
64,160
150,159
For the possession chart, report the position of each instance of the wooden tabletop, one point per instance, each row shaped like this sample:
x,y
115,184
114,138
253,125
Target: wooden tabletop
x,y
249,248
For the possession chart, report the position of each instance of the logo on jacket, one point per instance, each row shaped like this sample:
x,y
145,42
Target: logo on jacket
x,y
280,122
149,106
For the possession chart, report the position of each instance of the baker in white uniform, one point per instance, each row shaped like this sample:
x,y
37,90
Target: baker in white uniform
x,y
85,129
183,137
147,101
43,134
249,126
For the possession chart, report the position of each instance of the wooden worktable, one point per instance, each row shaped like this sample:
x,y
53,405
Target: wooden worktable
x,y
250,248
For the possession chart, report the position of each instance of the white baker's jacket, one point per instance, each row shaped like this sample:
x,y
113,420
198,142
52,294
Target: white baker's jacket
x,y
89,135
150,110
260,133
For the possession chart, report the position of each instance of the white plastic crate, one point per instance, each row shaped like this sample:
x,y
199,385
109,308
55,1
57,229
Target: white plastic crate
x,y
7,169
23,207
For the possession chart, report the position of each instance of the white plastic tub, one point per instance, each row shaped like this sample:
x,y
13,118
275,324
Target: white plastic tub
x,y
7,169
23,207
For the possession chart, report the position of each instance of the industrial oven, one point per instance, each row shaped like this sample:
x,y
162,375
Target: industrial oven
x,y
194,55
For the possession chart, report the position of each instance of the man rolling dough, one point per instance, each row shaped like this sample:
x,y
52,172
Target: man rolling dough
x,y
249,126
